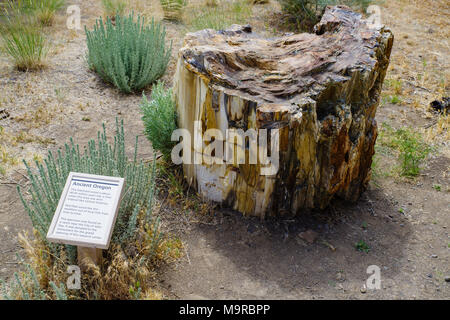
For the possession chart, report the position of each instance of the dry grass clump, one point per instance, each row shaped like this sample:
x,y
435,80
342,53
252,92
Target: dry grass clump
x,y
41,116
173,9
130,271
440,130
179,192
113,8
6,158
127,272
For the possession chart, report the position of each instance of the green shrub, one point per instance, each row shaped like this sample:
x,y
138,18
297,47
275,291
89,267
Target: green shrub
x,y
219,17
412,151
173,9
159,116
129,54
100,158
411,148
136,245
22,38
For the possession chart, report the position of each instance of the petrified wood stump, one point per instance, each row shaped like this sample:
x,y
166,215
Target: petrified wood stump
x,y
321,92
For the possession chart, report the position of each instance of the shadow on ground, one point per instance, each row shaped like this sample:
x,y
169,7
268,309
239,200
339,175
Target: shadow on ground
x,y
244,258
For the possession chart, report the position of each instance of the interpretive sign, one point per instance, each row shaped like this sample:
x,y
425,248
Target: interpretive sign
x,y
86,211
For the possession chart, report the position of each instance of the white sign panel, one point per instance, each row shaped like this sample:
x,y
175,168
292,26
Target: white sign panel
x,y
86,211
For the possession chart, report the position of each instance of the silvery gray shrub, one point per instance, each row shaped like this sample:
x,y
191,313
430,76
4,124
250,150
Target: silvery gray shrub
x,y
128,54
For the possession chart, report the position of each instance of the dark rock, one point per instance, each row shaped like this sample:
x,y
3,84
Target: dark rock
x,y
441,106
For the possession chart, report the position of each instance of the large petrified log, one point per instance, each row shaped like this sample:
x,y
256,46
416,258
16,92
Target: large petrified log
x,y
320,91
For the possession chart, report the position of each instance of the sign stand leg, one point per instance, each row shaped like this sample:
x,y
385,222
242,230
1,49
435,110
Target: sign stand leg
x,y
89,256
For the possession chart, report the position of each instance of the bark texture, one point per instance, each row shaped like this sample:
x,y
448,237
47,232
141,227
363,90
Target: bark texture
x,y
321,90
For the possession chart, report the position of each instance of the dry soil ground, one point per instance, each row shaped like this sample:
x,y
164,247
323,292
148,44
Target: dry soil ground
x,y
405,222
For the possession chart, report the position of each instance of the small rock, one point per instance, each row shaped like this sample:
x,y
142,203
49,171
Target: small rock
x,y
434,256
429,275
363,289
251,228
441,106
447,279
309,236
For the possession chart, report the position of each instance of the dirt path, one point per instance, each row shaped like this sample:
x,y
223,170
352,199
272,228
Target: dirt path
x,y
227,255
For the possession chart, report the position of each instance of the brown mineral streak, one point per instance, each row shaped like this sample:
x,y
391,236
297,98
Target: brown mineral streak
x,y
321,90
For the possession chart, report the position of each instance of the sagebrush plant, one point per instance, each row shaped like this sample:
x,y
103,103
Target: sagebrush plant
x,y
99,157
173,9
219,17
22,38
159,117
128,54
137,243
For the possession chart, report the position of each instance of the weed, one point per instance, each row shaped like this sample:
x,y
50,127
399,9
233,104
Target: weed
x,y
362,246
219,17
395,99
25,137
42,115
411,148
